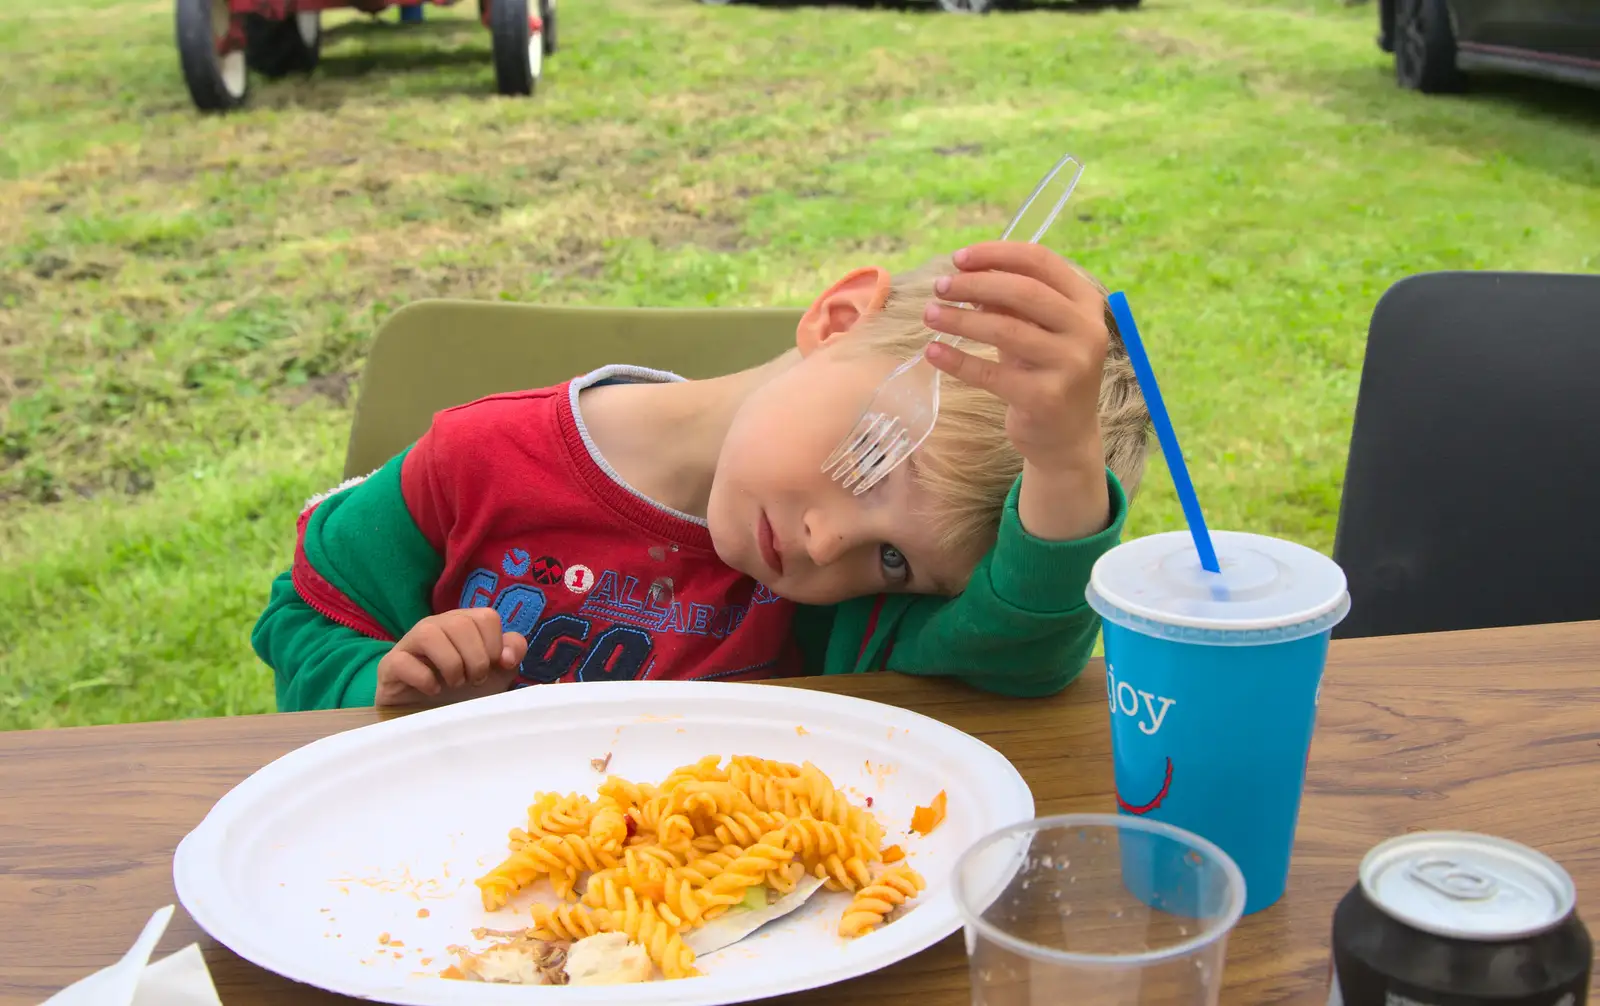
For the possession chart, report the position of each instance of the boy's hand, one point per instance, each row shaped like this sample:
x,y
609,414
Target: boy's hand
x,y
1048,323
448,652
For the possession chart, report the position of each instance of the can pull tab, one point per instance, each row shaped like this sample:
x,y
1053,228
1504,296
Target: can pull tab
x,y
1453,880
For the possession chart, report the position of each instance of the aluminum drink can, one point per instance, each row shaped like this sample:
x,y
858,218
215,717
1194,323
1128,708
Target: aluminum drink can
x,y
1459,919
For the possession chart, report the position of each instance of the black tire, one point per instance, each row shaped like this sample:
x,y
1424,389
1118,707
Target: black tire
x,y
217,83
547,13
514,70
1386,25
279,48
1425,48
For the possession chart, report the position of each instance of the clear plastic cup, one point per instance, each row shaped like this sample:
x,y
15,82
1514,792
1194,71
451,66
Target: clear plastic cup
x,y
1097,910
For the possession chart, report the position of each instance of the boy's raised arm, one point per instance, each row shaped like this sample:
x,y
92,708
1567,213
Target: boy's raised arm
x,y
1022,625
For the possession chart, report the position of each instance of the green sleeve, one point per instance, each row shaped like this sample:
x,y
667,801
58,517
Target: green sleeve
x,y
363,577
813,632
1022,626
319,664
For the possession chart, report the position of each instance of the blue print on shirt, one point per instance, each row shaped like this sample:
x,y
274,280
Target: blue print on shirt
x,y
567,645
618,597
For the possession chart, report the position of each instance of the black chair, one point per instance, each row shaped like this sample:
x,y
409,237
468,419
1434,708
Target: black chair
x,y
1472,492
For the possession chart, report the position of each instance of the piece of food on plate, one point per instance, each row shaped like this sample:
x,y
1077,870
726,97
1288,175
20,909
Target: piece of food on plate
x,y
760,906
925,819
524,959
608,959
641,920
517,959
881,901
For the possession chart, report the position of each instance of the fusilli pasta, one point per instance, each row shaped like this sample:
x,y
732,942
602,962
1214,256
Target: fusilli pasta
x,y
662,860
829,804
567,922
892,888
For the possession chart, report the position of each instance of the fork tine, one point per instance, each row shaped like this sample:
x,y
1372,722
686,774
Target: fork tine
x,y
839,461
851,440
861,461
896,452
863,448
847,445
902,452
881,446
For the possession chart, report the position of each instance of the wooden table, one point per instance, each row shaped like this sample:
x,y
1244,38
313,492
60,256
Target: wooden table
x,y
1495,731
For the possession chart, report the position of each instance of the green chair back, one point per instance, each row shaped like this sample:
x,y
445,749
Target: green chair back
x,y
435,354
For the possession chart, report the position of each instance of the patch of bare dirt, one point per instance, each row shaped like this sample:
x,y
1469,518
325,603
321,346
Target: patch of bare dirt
x,y
334,388
1159,42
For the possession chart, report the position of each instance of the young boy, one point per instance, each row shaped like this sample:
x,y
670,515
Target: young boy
x,y
629,524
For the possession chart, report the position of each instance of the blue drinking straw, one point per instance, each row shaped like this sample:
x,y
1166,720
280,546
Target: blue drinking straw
x,y
1168,438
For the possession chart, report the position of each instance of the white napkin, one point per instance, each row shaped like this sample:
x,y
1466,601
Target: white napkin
x,y
179,979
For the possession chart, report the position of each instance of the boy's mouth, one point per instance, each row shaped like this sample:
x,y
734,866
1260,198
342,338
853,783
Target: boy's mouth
x,y
769,545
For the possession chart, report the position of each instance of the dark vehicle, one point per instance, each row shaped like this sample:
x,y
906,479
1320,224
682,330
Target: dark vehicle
x,y
1436,43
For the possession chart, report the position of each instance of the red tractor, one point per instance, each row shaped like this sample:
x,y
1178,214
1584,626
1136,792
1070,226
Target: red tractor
x,y
221,41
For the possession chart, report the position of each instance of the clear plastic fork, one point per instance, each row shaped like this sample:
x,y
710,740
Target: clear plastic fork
x,y
905,406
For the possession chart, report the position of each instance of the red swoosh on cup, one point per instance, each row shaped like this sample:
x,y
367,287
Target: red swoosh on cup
x,y
1166,786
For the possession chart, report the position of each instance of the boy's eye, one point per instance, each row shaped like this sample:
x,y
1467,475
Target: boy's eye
x,y
894,564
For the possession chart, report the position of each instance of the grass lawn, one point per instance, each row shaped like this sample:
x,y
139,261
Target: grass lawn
x,y
186,300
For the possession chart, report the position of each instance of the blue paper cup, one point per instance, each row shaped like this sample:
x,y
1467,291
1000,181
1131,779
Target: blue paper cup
x,y
1212,682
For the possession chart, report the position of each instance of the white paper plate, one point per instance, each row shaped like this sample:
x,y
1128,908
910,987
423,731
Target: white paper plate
x,y
303,867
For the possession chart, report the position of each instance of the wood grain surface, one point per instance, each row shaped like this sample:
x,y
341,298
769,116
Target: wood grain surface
x,y
1496,731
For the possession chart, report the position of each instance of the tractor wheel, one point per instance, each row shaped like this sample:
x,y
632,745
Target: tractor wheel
x,y
1425,48
547,13
518,49
218,80
279,48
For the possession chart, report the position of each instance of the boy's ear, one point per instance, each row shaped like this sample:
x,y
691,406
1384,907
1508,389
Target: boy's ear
x,y
846,302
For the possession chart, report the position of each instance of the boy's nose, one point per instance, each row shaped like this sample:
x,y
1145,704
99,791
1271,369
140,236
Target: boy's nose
x,y
825,542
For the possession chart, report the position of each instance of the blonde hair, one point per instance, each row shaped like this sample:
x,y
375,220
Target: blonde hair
x,y
967,465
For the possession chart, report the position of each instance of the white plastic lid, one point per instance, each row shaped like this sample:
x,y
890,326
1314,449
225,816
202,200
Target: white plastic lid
x,y
1268,590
